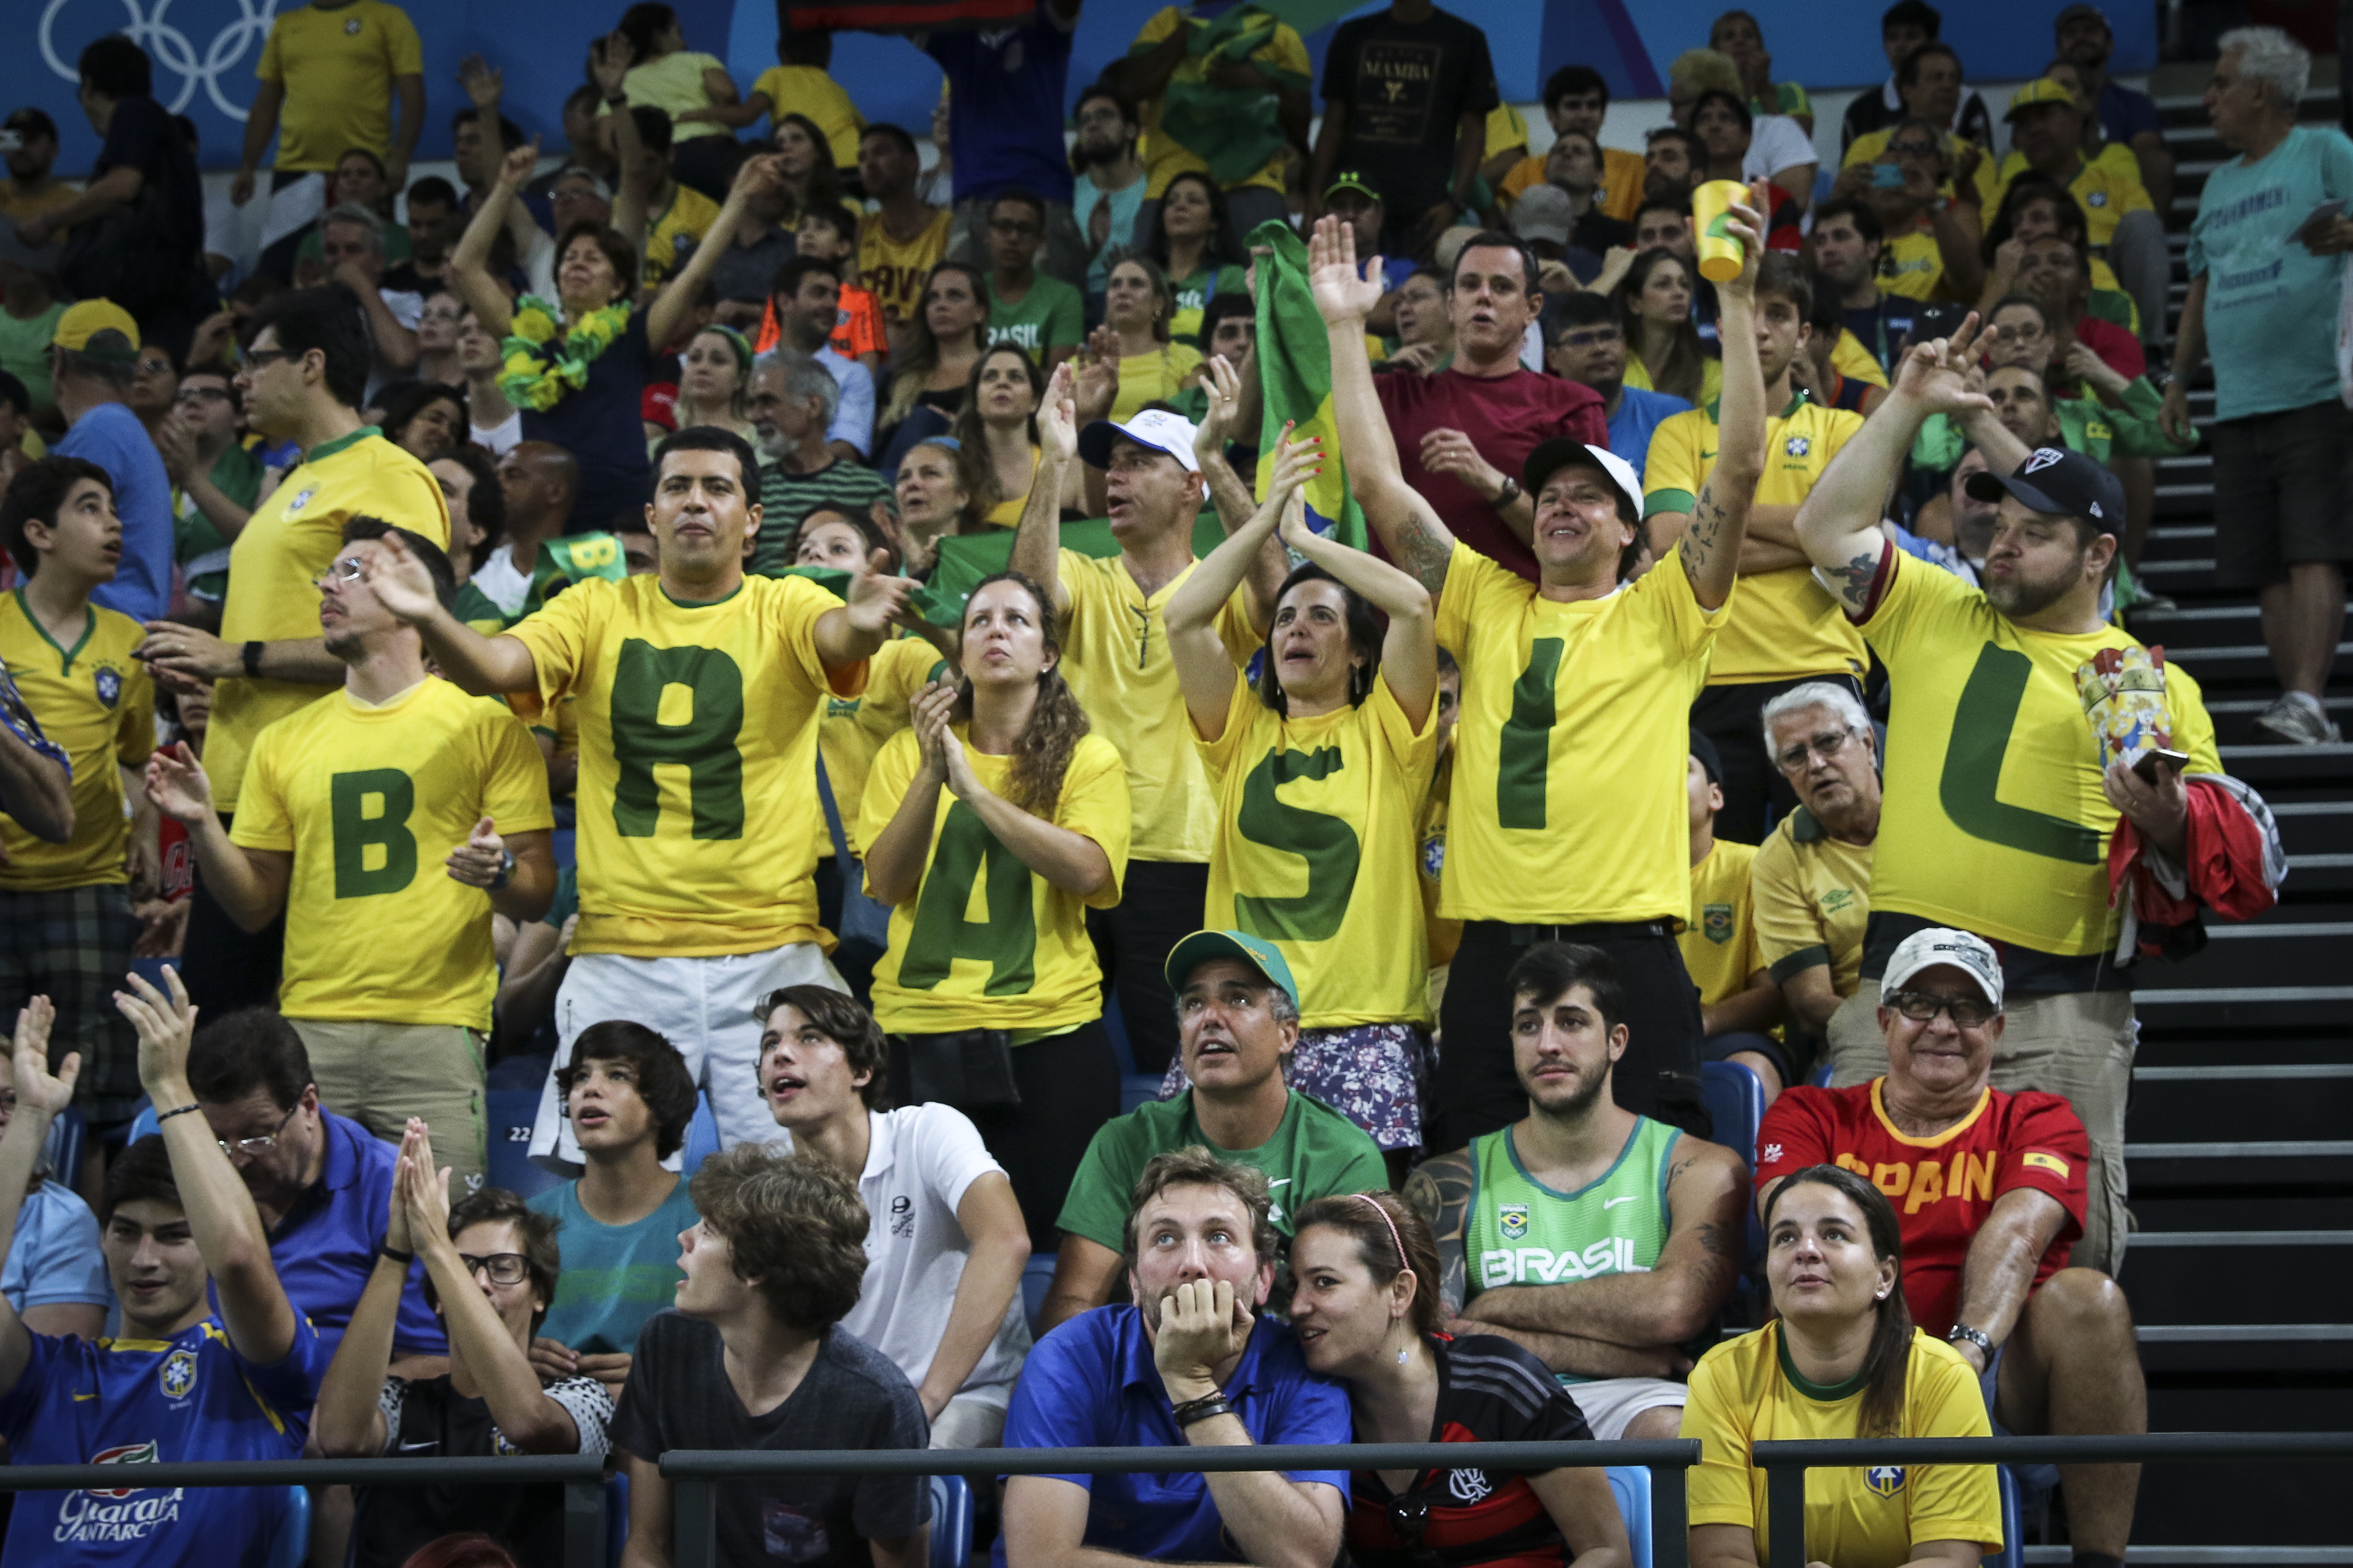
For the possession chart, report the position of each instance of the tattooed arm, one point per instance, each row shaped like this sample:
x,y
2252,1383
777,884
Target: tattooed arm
x,y
1708,1200
1710,545
1839,523
1439,1191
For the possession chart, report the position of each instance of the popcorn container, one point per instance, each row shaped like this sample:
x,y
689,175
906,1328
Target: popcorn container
x,y
2123,693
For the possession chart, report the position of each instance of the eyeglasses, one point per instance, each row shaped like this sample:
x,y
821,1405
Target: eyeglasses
x,y
254,359
503,1268
201,394
1826,745
253,1148
1920,1006
350,569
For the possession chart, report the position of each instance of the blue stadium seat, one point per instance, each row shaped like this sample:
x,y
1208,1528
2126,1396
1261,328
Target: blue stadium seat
x,y
1821,1078
701,1137
951,1521
63,1148
1734,1098
616,1517
1631,1485
290,1544
1036,1276
1137,1089
2013,1548
511,1112
1115,1025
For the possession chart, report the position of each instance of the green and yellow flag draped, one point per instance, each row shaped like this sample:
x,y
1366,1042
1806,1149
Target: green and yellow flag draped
x,y
1294,368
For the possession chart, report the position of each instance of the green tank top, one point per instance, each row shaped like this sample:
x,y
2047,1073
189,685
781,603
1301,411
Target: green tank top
x,y
1517,1231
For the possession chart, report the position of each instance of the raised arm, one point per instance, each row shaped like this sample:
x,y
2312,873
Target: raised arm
x,y
1204,671
471,661
1839,523
1409,529
469,264
1038,540
609,63
1223,386
39,1100
221,1217
670,307
853,631
1710,545
996,1241
1410,649
349,1421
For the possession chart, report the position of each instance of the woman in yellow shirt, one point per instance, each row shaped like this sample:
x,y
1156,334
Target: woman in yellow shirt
x,y
1654,303
1841,1361
999,797
1137,307
998,427
684,84
1320,770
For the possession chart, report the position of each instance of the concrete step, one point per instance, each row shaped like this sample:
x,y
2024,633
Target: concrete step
x,y
2236,1278
2215,662
2286,1100
2277,953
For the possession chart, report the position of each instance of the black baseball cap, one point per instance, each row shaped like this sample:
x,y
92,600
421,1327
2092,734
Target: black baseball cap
x,y
1709,762
2057,482
31,121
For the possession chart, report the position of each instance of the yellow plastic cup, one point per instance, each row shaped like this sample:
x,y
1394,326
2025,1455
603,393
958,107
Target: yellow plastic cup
x,y
1720,256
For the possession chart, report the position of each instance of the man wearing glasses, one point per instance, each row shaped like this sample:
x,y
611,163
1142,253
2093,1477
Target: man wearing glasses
x,y
1043,315
1927,212
389,976
1810,882
1991,1190
216,477
1589,345
304,371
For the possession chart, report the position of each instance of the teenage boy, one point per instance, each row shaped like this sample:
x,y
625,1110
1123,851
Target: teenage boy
x,y
345,804
756,1357
1738,1002
66,925
628,1098
942,1296
180,1381
1576,98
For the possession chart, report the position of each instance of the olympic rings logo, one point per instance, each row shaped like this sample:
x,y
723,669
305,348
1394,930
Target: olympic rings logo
x,y
171,50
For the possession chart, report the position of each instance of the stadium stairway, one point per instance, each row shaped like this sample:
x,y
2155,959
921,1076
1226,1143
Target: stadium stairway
x,y
2239,1137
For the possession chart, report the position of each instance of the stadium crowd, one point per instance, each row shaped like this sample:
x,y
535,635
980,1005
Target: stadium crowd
x,y
640,616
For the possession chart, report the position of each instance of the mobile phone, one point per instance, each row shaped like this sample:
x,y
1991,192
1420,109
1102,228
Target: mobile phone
x,y
2328,211
2145,765
1887,176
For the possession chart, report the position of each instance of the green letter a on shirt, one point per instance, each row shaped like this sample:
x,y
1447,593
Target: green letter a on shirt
x,y
698,736
1006,940
358,830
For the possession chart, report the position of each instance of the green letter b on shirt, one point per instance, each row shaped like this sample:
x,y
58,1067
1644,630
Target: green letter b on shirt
x,y
678,707
374,851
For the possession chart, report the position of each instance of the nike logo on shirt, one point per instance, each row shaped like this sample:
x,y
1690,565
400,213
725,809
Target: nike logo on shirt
x,y
1609,1203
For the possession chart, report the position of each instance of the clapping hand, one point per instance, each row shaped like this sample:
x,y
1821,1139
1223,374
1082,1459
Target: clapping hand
x,y
932,715
1345,296
1221,385
1058,417
36,1090
177,785
479,861
421,1190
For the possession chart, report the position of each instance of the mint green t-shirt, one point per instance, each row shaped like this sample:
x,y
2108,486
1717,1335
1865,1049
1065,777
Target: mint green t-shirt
x,y
1315,1152
614,1277
1051,316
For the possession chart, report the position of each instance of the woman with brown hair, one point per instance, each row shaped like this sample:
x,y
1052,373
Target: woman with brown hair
x,y
1842,1360
1664,353
998,786
1366,1309
945,338
998,432
1137,307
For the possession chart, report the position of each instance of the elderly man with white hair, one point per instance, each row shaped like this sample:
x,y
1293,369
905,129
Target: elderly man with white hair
x,y
794,404
1811,883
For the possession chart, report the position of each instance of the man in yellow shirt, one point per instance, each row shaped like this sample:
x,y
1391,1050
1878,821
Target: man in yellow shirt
x,y
1554,834
66,925
1576,98
2000,807
1738,1005
1221,95
2046,128
305,368
1811,880
1930,222
345,805
328,73
671,212
1785,631
904,237
699,694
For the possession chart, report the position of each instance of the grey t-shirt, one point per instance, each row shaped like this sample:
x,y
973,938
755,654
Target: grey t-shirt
x,y
678,1396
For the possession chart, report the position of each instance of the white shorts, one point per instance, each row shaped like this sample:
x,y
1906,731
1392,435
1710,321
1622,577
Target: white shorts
x,y
1611,1403
701,1005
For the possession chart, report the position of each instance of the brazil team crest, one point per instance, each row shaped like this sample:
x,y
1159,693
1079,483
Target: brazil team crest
x,y
178,1375
1716,923
1514,1220
1884,1480
109,687
1798,446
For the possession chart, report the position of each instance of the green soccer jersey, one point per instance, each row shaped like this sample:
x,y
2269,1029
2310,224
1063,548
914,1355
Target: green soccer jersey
x,y
1315,1153
1051,315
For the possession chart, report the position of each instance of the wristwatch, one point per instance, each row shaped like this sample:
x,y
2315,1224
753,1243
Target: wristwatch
x,y
251,657
1961,1333
506,871
1508,494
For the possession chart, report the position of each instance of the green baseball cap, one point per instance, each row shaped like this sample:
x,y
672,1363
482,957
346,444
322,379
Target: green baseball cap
x,y
1256,952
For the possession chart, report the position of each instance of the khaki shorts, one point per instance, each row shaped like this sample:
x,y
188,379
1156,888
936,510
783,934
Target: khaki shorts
x,y
380,1075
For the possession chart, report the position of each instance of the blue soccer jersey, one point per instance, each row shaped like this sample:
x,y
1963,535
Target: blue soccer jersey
x,y
133,1402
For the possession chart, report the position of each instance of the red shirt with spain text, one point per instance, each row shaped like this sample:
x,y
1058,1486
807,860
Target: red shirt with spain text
x,y
1943,1186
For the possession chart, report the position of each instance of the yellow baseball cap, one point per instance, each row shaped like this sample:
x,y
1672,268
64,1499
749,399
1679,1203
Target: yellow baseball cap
x,y
84,329
2041,89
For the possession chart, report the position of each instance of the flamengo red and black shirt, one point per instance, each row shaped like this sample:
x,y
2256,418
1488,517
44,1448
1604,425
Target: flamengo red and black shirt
x,y
1489,1391
1943,1186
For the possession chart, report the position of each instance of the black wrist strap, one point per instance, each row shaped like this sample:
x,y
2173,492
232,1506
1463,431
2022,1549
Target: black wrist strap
x,y
252,660
1198,1410
164,1116
383,1249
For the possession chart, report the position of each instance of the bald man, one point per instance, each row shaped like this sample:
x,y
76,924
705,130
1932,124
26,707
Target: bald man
x,y
539,478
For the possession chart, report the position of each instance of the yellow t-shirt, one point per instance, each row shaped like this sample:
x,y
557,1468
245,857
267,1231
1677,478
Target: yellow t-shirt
x,y
1545,824
1115,657
1994,820
1152,378
274,566
689,216
1911,266
1867,147
369,801
1506,128
674,84
808,91
2107,186
1619,196
1430,863
1745,1391
895,272
1282,57
1720,945
1787,625
854,728
1711,377
986,942
1852,361
1813,900
1315,849
699,816
337,65
97,704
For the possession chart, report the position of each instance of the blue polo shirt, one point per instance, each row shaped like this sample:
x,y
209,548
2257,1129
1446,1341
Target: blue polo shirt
x,y
324,1248
1638,414
1090,1382
112,437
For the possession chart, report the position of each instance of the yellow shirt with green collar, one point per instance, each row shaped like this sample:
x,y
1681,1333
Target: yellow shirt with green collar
x,y
1719,946
2107,186
1785,627
97,704
689,216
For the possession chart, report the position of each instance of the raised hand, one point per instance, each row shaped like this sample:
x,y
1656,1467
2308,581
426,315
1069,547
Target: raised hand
x,y
165,1025
1095,384
1344,295
399,581
484,83
1222,386
1745,221
397,1234
1058,417
608,63
1935,374
478,861
1296,462
36,1090
515,169
427,1190
177,784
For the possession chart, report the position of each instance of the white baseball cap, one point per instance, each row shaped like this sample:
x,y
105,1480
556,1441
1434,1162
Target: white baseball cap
x,y
1561,451
1972,955
1153,427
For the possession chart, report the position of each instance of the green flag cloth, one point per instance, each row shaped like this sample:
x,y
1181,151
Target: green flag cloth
x,y
1233,129
1294,368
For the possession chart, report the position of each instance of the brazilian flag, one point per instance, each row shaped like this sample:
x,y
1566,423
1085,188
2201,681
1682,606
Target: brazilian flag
x,y
1294,368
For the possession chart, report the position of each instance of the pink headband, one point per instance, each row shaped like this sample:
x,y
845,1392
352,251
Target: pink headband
x,y
1395,1240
